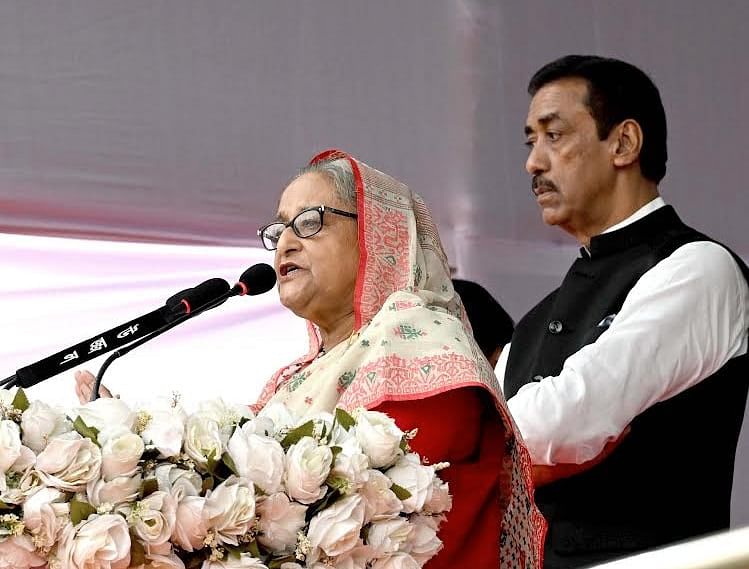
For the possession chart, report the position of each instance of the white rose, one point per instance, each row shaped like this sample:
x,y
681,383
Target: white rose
x,y
10,444
26,459
351,465
179,482
43,515
307,467
107,412
152,519
397,561
163,561
423,543
280,416
230,509
381,501
280,520
260,426
226,415
335,530
121,450
388,536
190,524
40,422
440,500
69,463
7,397
165,427
379,438
18,552
257,458
410,474
244,561
101,542
203,439
357,558
28,484
116,492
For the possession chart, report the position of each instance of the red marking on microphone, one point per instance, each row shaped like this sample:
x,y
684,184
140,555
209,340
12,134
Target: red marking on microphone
x,y
188,308
244,288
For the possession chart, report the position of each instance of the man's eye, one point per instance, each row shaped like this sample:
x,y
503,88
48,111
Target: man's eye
x,y
553,136
529,144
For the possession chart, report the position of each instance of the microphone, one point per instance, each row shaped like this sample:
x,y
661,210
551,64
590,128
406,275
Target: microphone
x,y
257,279
180,304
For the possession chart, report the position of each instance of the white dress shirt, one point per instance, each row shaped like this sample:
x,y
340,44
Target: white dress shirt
x,y
682,321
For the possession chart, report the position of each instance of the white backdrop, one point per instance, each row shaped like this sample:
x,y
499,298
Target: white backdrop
x,y
55,293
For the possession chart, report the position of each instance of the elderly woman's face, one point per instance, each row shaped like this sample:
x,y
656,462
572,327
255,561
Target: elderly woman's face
x,y
317,275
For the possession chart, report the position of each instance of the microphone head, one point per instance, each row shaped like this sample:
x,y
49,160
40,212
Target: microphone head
x,y
188,300
257,279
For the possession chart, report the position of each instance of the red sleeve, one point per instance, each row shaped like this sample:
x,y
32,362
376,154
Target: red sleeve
x,y
462,427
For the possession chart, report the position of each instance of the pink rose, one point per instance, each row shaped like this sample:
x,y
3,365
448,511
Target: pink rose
x,y
17,552
190,524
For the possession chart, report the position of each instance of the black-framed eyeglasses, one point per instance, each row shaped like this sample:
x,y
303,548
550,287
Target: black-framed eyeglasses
x,y
306,223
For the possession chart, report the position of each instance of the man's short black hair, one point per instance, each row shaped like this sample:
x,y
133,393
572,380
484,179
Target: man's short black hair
x,y
616,91
492,326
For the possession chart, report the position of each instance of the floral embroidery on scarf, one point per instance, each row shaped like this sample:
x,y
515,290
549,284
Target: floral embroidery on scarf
x,y
345,380
408,332
297,379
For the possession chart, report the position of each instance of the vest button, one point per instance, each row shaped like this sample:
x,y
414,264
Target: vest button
x,y
555,327
538,377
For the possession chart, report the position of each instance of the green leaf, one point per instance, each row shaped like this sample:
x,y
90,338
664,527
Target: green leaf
x,y
344,419
137,552
211,464
20,401
148,487
229,462
404,446
295,435
400,492
84,430
254,549
336,450
80,511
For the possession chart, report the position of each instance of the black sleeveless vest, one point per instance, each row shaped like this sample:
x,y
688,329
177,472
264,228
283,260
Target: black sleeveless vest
x,y
671,477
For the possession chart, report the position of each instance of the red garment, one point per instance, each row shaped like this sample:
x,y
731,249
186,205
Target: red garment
x,y
461,427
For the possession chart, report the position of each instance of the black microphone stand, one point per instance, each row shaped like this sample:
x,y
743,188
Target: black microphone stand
x,y
140,341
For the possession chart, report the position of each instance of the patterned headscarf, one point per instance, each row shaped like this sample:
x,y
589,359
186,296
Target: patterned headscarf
x,y
411,341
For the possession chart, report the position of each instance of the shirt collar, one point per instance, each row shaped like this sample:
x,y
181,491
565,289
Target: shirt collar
x,y
648,208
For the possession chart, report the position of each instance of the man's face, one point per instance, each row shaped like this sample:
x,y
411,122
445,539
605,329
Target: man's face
x,y
572,170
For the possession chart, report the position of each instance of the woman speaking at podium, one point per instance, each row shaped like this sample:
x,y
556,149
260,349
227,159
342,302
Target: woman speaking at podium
x,y
358,257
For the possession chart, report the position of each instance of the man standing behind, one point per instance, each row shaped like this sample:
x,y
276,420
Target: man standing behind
x,y
629,381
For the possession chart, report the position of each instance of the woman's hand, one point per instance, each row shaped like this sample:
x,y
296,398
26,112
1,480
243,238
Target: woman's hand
x,y
84,386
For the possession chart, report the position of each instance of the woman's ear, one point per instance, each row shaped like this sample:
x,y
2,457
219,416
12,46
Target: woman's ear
x,y
627,142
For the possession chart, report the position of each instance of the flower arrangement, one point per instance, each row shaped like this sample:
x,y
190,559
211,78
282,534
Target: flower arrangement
x,y
109,486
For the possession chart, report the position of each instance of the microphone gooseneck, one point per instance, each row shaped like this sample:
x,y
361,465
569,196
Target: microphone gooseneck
x,y
255,280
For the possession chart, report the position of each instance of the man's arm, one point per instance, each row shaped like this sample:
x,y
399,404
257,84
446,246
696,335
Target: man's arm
x,y
683,320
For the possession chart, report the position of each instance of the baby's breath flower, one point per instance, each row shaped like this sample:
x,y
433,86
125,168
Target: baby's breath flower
x,y
303,546
217,554
105,508
142,420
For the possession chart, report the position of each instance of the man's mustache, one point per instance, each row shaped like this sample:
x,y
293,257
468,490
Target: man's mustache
x,y
538,181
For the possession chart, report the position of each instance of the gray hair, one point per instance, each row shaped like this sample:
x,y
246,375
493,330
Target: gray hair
x,y
340,174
